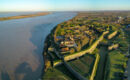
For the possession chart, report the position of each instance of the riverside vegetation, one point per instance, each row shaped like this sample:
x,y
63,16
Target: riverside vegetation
x,y
79,48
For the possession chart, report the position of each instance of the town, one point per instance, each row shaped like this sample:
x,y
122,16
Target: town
x,y
88,42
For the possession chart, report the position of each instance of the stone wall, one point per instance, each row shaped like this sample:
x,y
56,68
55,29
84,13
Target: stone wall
x,y
112,35
95,67
114,46
90,50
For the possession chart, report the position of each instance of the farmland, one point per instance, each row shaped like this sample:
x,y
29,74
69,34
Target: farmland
x,y
83,65
58,73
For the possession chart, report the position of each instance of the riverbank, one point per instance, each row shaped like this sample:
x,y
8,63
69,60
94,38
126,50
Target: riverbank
x,y
24,16
50,72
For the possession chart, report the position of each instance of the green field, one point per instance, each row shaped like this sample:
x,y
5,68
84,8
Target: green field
x,y
58,73
102,62
115,65
83,65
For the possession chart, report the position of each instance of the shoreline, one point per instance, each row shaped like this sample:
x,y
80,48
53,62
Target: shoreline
x,y
24,16
45,49
46,44
44,53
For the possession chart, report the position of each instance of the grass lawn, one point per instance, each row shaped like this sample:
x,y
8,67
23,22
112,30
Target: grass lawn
x,y
83,65
58,73
115,65
101,65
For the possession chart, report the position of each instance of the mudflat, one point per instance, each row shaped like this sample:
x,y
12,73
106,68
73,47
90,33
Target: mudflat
x,y
24,16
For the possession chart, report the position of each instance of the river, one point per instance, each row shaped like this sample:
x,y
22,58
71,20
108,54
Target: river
x,y
21,45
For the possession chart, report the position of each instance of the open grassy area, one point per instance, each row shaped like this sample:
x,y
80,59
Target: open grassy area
x,y
102,62
127,32
83,65
116,60
58,73
115,65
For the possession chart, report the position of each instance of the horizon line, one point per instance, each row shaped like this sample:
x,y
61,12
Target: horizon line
x,y
65,11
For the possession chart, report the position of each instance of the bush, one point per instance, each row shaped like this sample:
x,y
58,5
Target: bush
x,y
72,50
78,46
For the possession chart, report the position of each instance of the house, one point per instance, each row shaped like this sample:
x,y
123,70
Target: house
x,y
58,38
64,49
76,31
87,32
71,38
51,49
68,43
77,37
77,26
61,44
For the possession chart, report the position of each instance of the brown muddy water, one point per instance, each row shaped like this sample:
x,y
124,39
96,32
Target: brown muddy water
x,y
21,45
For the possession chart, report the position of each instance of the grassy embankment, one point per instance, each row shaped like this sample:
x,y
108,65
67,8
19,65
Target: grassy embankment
x,y
24,16
127,32
58,73
102,62
116,64
116,60
83,65
112,62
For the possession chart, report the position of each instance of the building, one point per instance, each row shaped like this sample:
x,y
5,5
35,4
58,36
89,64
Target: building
x,y
68,43
64,49
58,38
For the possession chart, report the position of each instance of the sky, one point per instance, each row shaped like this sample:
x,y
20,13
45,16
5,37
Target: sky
x,y
63,5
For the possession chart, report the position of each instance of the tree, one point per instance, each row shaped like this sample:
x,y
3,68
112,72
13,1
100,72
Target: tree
x,y
85,41
72,50
78,46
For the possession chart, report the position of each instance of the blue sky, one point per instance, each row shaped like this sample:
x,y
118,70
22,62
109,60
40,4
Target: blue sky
x,y
63,5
